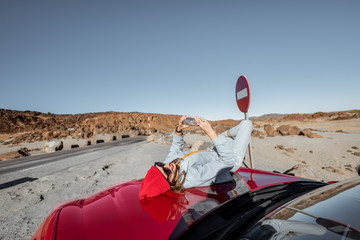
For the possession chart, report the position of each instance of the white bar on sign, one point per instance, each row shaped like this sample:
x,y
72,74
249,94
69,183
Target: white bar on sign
x,y
241,94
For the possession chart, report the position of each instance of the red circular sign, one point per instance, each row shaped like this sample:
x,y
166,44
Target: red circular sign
x,y
242,94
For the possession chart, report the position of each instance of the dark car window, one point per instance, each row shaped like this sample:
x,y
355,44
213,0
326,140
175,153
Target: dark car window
x,y
329,213
239,214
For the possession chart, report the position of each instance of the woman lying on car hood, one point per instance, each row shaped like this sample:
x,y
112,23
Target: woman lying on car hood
x,y
202,168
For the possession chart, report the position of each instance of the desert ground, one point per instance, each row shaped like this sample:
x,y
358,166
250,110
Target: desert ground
x,y
331,156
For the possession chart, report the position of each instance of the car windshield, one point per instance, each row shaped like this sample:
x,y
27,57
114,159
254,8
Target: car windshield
x,y
234,217
331,212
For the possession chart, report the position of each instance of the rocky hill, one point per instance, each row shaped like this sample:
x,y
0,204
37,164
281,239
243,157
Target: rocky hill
x,y
28,126
326,116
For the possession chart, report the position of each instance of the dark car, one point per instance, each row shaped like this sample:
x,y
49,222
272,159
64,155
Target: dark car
x,y
240,209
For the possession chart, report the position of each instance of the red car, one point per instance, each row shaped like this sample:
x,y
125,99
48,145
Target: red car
x,y
201,212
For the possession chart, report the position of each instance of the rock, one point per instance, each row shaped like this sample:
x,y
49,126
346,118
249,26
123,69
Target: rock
x,y
200,144
290,150
270,130
52,146
197,144
302,170
338,171
10,155
314,135
160,138
341,131
354,147
279,147
329,168
256,133
285,130
150,138
24,152
349,167
309,134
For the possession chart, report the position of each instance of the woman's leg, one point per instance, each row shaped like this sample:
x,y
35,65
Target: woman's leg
x,y
242,134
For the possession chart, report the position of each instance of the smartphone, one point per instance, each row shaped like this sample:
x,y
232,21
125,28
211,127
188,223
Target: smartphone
x,y
191,122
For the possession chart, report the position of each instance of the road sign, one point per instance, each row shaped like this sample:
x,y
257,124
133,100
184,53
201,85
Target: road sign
x,y
243,93
243,96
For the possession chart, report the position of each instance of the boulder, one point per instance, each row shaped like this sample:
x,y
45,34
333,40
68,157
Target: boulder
x,y
10,155
279,147
200,144
24,152
309,134
257,133
197,144
270,130
285,130
160,138
52,146
150,138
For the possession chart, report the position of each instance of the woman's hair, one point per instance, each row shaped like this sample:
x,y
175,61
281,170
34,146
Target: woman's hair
x,y
178,186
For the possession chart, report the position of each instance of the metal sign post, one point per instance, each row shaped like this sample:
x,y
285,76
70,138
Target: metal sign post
x,y
243,96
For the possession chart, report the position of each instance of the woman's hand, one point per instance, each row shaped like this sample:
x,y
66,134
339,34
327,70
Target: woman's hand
x,y
206,127
182,124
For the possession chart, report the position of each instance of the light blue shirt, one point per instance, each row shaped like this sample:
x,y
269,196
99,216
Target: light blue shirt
x,y
204,168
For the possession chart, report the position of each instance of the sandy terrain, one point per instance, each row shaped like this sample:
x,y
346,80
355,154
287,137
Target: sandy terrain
x,y
341,139
25,206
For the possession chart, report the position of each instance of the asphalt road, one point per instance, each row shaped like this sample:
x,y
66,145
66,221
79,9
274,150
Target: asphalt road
x,y
13,171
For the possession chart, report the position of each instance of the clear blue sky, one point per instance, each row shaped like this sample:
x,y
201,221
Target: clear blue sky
x,y
179,57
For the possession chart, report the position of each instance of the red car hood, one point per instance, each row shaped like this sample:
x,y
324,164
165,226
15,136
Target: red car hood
x,y
118,213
